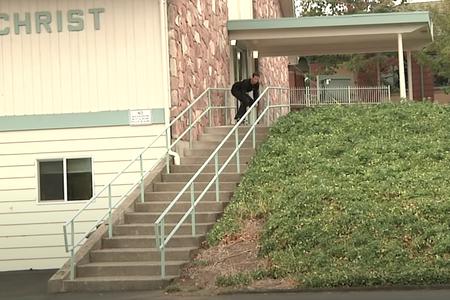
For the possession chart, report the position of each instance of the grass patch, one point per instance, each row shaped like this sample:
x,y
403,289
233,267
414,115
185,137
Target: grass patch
x,y
352,196
200,263
243,278
173,288
235,280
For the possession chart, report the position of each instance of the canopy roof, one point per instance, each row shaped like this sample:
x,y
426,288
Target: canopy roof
x,y
362,33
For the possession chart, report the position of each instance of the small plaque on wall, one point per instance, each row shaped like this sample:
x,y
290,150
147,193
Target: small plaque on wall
x,y
140,117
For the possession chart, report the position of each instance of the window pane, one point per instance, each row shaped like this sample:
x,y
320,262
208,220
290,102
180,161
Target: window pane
x,y
51,180
79,179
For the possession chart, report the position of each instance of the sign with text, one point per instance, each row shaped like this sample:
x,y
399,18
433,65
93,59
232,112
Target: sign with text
x,y
140,117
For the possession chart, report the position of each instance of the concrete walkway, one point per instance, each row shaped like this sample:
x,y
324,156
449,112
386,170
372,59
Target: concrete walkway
x,y
32,285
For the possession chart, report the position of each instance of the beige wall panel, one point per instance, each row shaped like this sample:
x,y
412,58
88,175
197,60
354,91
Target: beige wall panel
x,y
25,223
240,9
116,67
40,229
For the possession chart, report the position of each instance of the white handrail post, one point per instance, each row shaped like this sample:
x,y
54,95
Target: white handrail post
x,y
289,99
385,93
389,93
209,108
308,97
238,159
109,212
163,250
193,209
216,170
190,128
142,178
72,251
280,95
318,91
349,95
168,150
226,108
254,137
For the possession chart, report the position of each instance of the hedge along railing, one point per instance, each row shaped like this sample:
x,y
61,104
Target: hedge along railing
x,y
340,95
136,165
161,238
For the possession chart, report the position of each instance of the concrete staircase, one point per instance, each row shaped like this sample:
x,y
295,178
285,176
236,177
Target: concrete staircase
x,y
130,260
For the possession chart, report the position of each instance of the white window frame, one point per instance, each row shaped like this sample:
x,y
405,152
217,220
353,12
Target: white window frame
x,y
64,160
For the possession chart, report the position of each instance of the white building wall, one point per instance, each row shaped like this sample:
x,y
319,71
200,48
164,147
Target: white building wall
x,y
240,9
49,77
31,231
119,66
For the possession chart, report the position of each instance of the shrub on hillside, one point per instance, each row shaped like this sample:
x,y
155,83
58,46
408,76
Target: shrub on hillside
x,y
352,196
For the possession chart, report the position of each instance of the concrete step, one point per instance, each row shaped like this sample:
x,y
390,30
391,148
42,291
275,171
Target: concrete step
x,y
148,241
149,229
140,268
203,206
218,138
172,217
222,151
203,177
169,196
210,168
228,144
117,283
200,159
199,186
227,129
141,254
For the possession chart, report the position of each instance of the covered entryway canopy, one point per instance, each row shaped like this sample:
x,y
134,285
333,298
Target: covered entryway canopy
x,y
348,34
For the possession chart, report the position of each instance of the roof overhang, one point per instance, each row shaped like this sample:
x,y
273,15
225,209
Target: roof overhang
x,y
363,33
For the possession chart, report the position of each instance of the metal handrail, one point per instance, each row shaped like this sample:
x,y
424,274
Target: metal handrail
x,y
161,239
70,247
340,95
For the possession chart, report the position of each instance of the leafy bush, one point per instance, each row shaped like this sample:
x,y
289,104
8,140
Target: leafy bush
x,y
352,196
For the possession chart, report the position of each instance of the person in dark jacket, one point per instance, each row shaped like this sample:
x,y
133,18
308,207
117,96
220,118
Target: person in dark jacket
x,y
240,90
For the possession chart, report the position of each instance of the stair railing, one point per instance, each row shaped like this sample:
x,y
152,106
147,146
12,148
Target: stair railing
x,y
161,238
74,239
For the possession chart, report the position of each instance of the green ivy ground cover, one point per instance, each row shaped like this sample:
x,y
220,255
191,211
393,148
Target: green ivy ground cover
x,y
352,196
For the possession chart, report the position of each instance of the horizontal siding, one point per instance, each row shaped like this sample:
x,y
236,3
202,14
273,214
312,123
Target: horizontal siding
x,y
105,155
37,241
34,230
30,253
111,167
20,195
116,67
41,217
15,171
76,146
75,134
35,262
34,207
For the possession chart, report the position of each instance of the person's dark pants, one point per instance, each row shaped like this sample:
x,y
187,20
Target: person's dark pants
x,y
246,101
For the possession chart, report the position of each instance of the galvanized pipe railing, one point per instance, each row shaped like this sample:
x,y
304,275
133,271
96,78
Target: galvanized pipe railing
x,y
340,95
160,237
69,226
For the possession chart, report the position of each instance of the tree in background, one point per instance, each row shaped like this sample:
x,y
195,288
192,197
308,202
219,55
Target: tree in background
x,y
437,54
347,7
355,62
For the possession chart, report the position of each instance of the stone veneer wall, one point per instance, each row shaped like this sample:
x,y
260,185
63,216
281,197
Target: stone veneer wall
x,y
274,70
199,54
